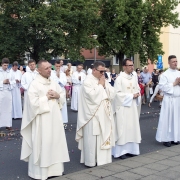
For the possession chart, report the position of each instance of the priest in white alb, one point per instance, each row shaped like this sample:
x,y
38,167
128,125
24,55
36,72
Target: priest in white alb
x,y
16,93
168,130
7,82
28,76
44,144
60,77
95,123
128,135
78,78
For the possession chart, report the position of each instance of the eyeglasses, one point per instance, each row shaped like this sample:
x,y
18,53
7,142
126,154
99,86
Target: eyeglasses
x,y
101,71
131,65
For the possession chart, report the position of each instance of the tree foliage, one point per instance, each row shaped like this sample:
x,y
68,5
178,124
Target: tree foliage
x,y
127,27
46,29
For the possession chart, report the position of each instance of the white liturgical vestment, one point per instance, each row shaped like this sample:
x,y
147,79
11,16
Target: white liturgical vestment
x,y
44,143
169,120
95,123
16,95
62,80
26,80
128,135
75,89
6,98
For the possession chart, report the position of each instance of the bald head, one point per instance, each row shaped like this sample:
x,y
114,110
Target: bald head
x,y
44,68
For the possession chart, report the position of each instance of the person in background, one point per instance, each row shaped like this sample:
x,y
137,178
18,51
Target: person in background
x,y
108,74
113,77
155,78
147,79
140,82
22,70
83,70
68,85
89,71
70,68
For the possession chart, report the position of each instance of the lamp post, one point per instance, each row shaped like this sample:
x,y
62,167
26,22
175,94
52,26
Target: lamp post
x,y
95,37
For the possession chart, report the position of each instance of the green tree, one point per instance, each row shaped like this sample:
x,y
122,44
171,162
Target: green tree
x,y
46,28
127,27
156,14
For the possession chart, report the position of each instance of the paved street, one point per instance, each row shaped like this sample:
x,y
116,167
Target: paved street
x,y
12,168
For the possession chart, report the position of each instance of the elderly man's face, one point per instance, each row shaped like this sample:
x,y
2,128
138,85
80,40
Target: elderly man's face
x,y
45,69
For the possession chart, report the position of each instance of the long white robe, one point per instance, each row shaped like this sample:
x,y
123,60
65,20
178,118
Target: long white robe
x,y
169,120
6,98
95,123
16,95
44,143
62,80
26,80
75,89
128,135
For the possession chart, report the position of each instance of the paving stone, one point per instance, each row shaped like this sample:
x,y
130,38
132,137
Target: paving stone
x,y
169,174
116,167
156,156
143,171
111,178
175,149
130,164
101,172
168,153
175,168
60,178
127,175
81,176
144,160
169,162
154,177
157,167
175,158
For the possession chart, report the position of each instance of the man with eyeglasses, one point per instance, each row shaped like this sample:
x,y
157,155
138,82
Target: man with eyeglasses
x,y
128,135
95,123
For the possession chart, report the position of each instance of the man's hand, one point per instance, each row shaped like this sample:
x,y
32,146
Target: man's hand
x,y
6,81
53,94
102,81
136,95
177,81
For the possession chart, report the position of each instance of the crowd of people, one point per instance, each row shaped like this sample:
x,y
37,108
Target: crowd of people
x,y
108,107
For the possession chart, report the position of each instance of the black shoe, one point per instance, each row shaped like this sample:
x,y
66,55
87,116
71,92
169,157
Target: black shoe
x,y
176,143
130,155
123,157
167,144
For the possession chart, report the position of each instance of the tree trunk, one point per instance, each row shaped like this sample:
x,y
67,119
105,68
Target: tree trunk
x,y
120,56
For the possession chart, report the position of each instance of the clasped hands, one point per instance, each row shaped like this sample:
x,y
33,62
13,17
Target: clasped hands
x,y
51,94
102,81
177,81
6,81
136,95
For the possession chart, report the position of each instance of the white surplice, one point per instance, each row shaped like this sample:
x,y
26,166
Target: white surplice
x,y
44,143
26,80
16,95
62,80
75,88
128,135
169,120
95,123
6,98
